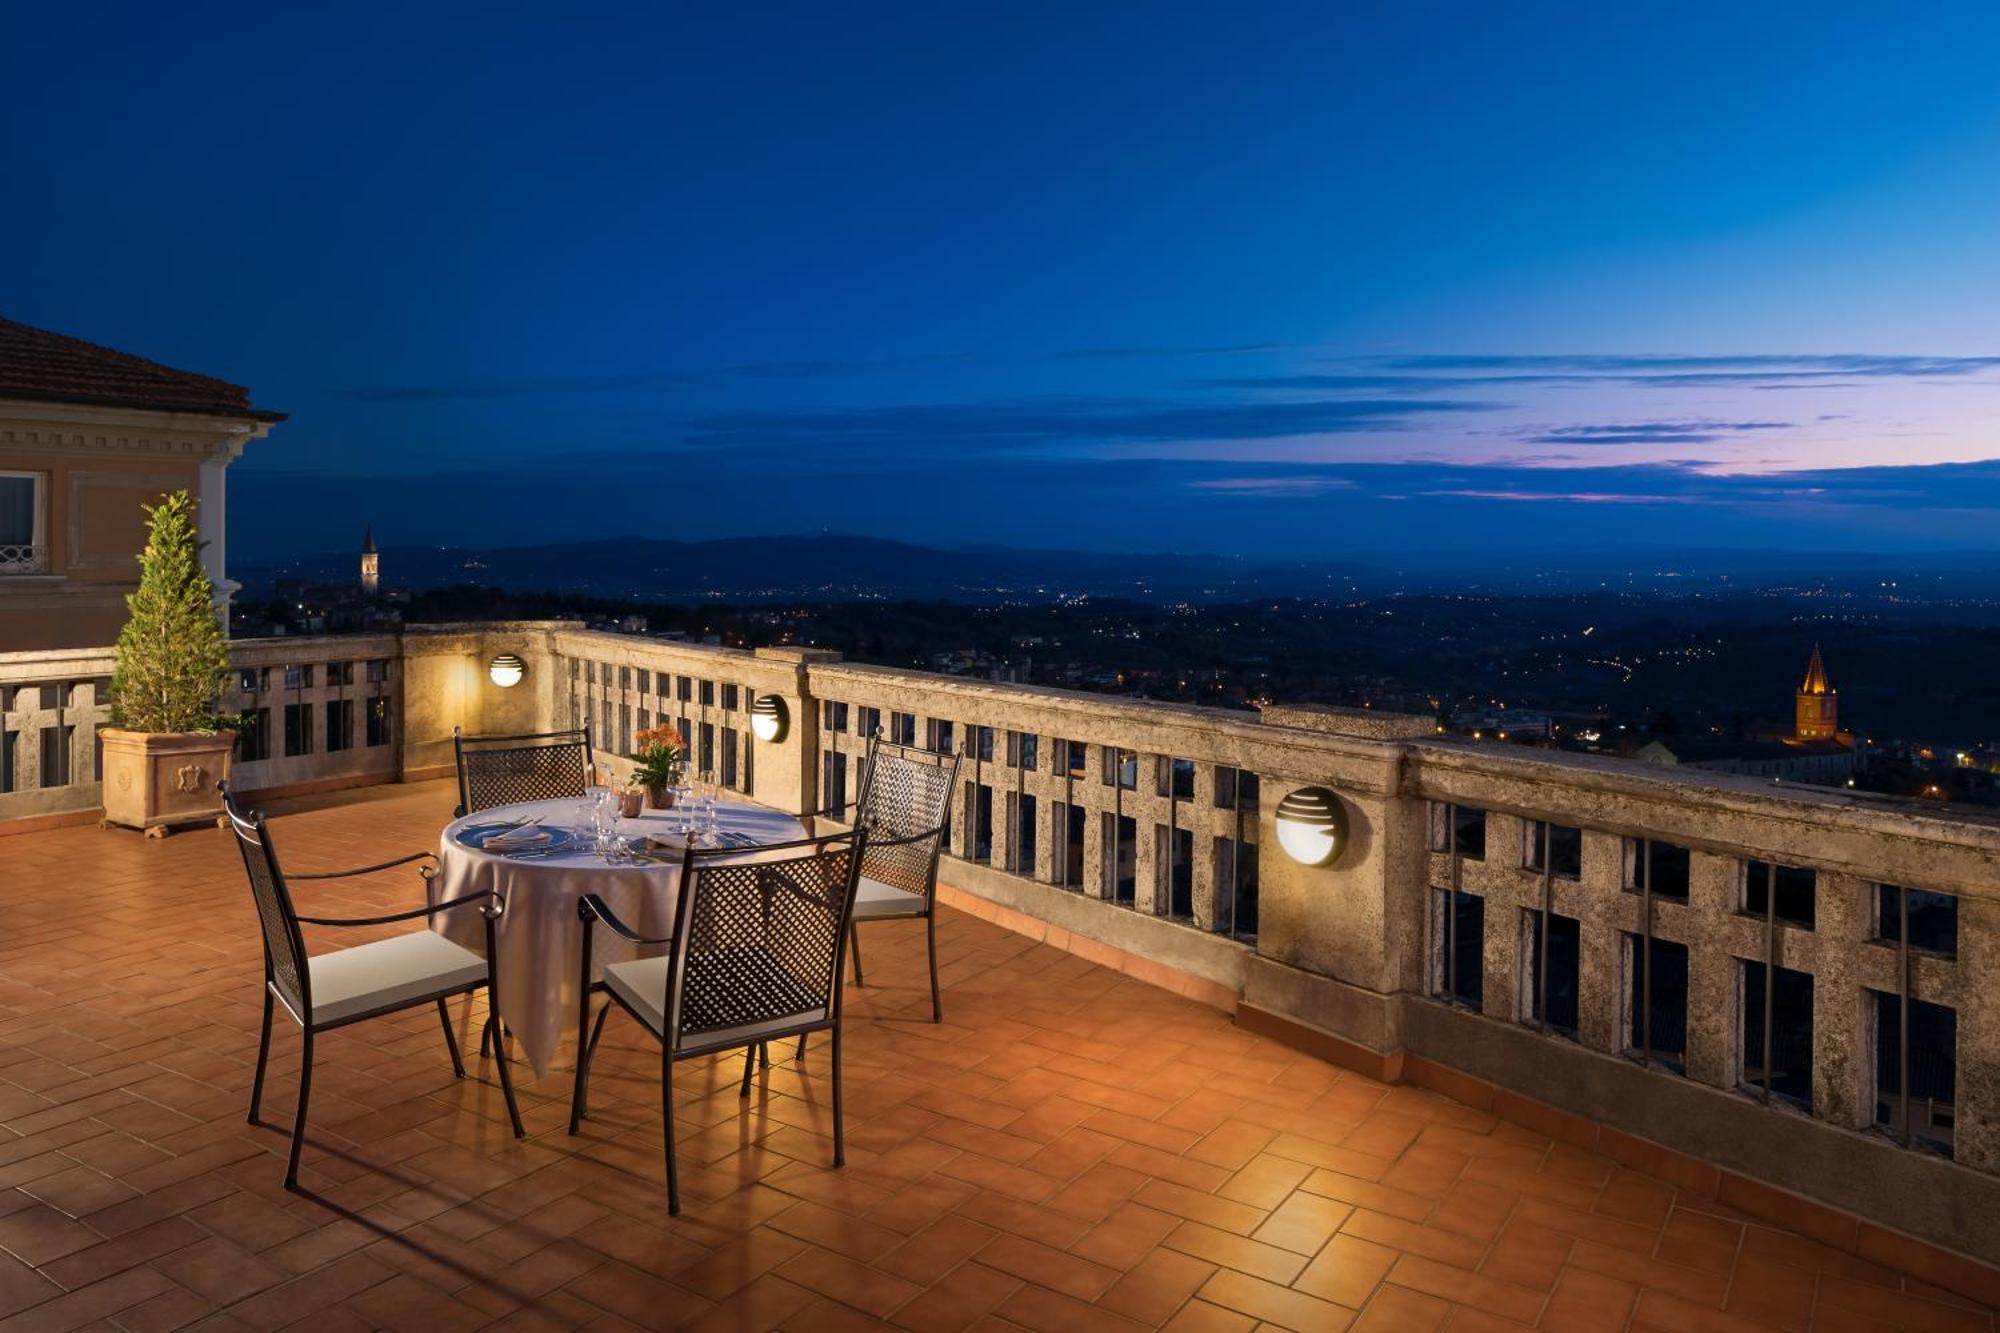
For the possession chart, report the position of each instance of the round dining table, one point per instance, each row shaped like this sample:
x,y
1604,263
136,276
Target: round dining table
x,y
540,880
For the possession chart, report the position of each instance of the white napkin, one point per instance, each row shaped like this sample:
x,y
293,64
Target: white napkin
x,y
515,839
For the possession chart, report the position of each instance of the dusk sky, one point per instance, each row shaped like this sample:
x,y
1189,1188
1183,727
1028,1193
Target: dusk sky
x,y
1338,281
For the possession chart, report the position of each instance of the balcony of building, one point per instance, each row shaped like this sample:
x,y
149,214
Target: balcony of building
x,y
1502,1059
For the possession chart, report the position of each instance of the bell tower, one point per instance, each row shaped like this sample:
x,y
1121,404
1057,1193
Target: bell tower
x,y
371,565
1818,713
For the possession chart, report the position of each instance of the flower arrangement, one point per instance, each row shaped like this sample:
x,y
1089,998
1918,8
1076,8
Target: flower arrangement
x,y
656,764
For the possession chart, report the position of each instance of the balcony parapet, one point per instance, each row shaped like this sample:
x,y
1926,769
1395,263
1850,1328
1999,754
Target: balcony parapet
x,y
1144,831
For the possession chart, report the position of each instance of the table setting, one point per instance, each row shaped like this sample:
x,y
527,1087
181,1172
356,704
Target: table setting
x,y
541,857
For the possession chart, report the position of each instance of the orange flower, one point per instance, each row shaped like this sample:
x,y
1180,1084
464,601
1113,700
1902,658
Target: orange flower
x,y
666,735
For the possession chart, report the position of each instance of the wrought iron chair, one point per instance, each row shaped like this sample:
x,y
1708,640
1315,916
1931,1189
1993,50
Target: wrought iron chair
x,y
332,990
905,804
501,770
754,956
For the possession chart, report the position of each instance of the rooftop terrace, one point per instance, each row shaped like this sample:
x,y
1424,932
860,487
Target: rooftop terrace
x,y
1073,1148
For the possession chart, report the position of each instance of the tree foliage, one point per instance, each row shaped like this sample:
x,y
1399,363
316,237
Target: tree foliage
x,y
171,653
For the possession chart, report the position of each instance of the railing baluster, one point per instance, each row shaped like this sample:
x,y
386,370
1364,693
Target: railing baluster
x,y
1548,907
1770,966
1646,958
1451,910
1903,1008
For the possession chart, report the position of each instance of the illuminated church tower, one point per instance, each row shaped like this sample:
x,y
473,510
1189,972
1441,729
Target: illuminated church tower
x,y
371,575
1818,705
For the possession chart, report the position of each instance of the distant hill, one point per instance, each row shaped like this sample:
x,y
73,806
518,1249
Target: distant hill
x,y
831,567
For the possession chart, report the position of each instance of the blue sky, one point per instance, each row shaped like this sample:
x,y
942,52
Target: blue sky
x,y
1283,280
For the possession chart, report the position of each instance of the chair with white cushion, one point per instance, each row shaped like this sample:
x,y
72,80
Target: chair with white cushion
x,y
754,957
331,990
905,805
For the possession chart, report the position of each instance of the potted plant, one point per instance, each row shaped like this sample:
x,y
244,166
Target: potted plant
x,y
166,750
656,764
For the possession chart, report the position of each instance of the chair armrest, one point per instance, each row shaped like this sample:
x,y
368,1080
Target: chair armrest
x,y
369,870
591,908
410,915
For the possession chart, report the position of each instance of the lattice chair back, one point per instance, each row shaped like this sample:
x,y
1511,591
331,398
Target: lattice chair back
x,y
906,808
284,946
759,944
503,770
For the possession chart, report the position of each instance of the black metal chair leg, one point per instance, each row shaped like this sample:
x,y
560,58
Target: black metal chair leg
x,y
586,1048
263,1058
854,944
667,1110
763,1055
937,1006
485,1041
450,1040
839,1133
299,1125
506,1078
749,1068
800,1054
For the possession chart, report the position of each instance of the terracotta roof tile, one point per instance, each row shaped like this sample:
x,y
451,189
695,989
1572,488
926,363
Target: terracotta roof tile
x,y
49,367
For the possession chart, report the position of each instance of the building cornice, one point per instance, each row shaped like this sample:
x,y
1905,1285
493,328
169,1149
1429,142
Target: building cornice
x,y
71,429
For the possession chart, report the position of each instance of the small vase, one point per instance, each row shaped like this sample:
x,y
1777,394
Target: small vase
x,y
660,796
628,802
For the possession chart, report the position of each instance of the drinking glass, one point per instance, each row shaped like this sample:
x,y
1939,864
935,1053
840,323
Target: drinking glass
x,y
709,817
604,821
683,803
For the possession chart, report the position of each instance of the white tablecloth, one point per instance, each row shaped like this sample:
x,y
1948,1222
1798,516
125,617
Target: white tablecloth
x,y
539,935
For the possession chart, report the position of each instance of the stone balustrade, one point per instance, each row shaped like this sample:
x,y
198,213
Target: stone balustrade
x,y
1609,940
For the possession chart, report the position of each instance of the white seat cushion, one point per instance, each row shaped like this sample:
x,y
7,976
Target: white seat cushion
x,y
876,899
388,973
642,985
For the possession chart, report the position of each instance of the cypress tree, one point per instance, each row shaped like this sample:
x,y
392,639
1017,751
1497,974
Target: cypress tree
x,y
171,653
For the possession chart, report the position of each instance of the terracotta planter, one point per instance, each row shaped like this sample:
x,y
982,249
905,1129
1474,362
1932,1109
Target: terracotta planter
x,y
660,796
156,780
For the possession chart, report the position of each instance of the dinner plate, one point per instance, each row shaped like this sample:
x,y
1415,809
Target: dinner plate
x,y
477,836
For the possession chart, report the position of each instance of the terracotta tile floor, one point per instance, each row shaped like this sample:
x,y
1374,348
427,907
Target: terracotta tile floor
x,y
1070,1150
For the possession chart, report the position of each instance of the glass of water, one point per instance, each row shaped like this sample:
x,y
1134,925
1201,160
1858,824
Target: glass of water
x,y
604,821
709,816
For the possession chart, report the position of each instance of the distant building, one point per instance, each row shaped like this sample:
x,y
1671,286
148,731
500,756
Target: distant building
x,y
1816,750
371,564
87,437
1826,762
1818,710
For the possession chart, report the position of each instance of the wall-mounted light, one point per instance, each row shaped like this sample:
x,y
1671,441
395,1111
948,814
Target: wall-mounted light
x,y
1312,826
506,670
769,717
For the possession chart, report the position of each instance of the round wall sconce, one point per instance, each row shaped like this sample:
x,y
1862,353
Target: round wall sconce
x,y
506,670
769,718
1312,826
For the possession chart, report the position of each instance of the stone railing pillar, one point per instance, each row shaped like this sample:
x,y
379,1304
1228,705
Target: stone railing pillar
x,y
1338,945
785,773
447,683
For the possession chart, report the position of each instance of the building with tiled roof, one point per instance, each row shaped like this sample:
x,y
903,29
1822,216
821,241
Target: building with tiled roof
x,y
46,367
89,436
